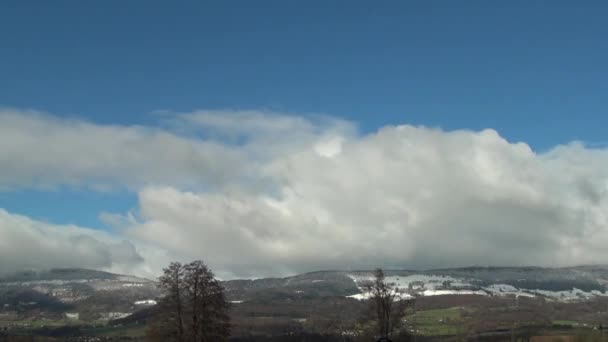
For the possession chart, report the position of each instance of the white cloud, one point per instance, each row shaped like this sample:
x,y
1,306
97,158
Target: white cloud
x,y
405,196
257,193
38,150
31,244
262,136
199,150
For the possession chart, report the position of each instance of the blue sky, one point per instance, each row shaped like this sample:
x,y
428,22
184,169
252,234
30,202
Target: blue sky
x,y
520,67
535,71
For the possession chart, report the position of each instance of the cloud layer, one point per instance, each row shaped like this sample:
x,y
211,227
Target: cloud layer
x,y
257,193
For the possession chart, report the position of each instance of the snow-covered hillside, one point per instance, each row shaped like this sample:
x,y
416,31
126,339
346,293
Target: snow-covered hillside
x,y
409,286
417,285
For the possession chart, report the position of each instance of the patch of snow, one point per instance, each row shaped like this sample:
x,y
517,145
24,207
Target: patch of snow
x,y
72,315
507,290
428,293
573,294
133,285
360,296
115,315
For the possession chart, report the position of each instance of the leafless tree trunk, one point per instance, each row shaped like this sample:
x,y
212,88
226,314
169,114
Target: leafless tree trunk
x,y
171,281
383,296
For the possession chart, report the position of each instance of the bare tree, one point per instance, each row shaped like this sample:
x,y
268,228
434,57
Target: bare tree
x,y
384,298
168,324
194,308
208,307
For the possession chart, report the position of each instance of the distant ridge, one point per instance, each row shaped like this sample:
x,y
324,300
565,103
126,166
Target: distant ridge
x,y
63,274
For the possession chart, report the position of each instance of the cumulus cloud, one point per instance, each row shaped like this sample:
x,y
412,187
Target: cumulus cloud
x,y
30,244
269,194
402,197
